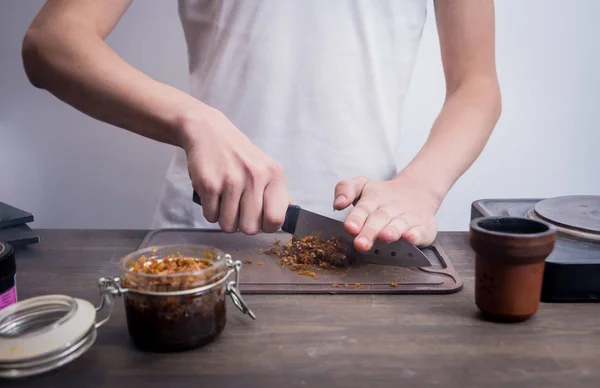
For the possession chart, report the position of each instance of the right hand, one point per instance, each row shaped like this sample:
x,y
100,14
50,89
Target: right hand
x,y
241,186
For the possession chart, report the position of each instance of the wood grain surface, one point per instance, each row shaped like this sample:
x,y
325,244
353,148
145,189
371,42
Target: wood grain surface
x,y
319,340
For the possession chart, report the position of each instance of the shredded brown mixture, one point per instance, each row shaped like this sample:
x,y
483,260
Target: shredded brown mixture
x,y
198,268
171,264
305,272
300,254
248,261
312,250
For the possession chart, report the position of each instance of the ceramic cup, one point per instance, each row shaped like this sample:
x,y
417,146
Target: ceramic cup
x,y
510,254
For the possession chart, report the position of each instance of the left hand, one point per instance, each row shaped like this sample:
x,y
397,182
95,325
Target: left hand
x,y
388,210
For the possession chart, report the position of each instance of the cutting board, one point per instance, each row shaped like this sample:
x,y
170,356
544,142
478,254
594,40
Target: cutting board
x,y
262,273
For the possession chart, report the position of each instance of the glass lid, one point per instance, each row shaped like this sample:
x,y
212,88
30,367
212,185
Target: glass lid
x,y
44,333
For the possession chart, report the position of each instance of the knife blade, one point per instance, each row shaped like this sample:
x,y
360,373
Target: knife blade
x,y
301,222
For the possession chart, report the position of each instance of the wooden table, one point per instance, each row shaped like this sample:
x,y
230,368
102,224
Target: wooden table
x,y
320,341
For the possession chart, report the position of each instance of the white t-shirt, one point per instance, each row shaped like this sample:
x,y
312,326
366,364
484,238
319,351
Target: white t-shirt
x,y
318,85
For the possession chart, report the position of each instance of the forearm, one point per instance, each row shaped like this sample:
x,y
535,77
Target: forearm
x,y
77,66
458,135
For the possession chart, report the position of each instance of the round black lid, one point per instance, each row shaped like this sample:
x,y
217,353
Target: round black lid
x,y
8,264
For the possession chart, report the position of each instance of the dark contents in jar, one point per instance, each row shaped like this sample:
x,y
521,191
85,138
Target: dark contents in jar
x,y
174,323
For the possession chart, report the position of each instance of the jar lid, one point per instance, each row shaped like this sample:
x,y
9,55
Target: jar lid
x,y
8,265
43,333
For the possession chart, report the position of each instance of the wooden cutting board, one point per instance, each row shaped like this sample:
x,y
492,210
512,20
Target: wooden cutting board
x,y
262,273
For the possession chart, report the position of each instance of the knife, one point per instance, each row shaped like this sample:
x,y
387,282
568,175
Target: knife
x,y
301,222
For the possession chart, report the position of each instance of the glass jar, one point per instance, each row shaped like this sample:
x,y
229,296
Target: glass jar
x,y
178,310
165,312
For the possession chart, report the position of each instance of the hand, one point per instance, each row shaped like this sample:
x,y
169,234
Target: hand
x,y
240,186
388,211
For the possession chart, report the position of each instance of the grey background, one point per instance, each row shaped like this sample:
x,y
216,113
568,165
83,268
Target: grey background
x,y
74,172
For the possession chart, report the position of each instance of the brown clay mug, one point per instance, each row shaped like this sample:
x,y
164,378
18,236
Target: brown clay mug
x,y
510,254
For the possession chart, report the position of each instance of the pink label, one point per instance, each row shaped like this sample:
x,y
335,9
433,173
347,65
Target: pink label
x,y
8,298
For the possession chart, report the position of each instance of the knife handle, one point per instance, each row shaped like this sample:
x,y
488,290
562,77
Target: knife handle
x,y
291,219
291,215
196,198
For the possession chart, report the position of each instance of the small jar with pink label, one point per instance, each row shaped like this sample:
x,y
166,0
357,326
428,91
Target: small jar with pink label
x,y
8,275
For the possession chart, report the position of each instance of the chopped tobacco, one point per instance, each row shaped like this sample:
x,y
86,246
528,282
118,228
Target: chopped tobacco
x,y
171,264
301,253
392,284
248,261
308,273
195,270
313,250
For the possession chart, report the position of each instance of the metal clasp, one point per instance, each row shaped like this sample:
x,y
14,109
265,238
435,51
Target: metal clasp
x,y
110,289
233,290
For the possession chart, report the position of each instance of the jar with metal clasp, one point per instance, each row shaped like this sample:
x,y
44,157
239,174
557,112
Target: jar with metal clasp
x,y
174,298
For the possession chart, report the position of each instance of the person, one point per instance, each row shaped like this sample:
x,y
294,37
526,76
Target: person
x,y
291,102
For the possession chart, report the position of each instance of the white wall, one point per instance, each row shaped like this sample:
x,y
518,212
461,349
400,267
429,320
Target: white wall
x,y
74,172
